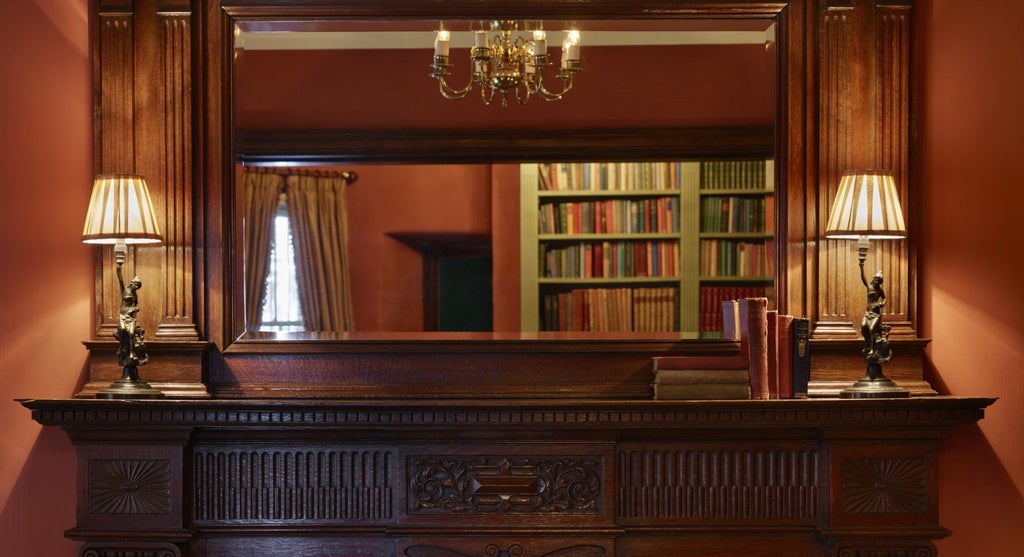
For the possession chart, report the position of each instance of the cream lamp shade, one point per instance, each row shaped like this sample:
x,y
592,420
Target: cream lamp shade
x,y
120,210
866,205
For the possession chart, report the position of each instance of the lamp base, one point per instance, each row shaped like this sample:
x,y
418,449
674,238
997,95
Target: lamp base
x,y
874,385
129,386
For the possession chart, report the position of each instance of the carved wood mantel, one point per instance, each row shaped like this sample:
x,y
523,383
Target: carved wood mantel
x,y
521,478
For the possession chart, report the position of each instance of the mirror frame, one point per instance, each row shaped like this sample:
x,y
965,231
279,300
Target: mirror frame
x,y
162,89
404,146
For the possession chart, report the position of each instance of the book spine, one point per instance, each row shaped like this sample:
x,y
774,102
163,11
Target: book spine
x,y
702,392
699,362
801,356
772,322
754,341
702,377
786,356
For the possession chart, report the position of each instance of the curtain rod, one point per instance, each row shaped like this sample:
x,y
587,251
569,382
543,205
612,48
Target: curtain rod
x,y
349,176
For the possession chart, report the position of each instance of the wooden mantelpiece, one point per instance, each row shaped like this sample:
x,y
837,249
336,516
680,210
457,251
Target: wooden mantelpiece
x,y
527,478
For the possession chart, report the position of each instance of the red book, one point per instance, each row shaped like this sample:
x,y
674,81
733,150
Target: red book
x,y
753,322
786,356
773,353
699,362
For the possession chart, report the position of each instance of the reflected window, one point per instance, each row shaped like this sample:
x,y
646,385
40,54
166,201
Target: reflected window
x,y
281,309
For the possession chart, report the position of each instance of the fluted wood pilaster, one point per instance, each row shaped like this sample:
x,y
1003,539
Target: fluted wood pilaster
x,y
864,119
143,99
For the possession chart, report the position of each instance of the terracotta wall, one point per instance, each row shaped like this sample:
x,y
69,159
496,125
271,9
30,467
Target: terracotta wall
x,y
707,85
387,275
47,279
972,305
968,230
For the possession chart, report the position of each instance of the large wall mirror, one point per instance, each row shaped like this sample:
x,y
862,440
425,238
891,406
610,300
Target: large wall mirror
x,y
434,187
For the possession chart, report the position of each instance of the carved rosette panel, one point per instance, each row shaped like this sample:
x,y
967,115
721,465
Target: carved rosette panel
x,y
718,484
129,487
504,550
310,485
504,485
882,485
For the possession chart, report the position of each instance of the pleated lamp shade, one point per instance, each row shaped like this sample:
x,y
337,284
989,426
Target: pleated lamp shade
x,y
867,204
120,209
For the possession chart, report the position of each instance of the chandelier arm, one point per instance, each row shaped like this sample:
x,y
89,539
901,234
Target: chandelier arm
x,y
486,95
450,93
547,95
520,97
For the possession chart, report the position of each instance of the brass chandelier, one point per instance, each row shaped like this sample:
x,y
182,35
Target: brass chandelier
x,y
507,63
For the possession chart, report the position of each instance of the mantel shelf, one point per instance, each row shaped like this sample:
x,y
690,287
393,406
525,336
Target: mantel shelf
x,y
510,414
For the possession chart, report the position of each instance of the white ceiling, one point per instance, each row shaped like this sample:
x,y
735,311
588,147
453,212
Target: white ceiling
x,y
339,40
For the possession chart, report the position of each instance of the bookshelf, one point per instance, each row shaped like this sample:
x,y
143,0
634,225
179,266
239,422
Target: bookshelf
x,y
621,246
737,236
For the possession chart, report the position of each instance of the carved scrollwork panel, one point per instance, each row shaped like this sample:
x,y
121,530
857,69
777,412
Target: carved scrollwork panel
x,y
505,550
123,550
505,485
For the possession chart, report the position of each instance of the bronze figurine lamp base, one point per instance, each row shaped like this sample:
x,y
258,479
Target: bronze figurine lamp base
x,y
121,213
867,206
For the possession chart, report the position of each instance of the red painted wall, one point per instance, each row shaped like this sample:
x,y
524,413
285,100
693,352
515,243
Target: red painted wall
x,y
972,259
387,275
47,280
968,230
696,85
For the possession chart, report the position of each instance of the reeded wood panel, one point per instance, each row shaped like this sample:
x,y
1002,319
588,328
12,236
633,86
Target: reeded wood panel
x,y
113,78
893,68
178,311
839,87
696,484
143,81
322,485
864,123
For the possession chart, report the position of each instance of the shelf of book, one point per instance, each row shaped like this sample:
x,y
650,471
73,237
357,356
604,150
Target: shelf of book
x,y
737,236
622,246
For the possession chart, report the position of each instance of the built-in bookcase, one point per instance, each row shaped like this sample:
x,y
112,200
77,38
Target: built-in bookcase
x,y
626,246
737,235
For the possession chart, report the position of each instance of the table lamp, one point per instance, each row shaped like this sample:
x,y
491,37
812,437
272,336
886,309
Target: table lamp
x,y
121,213
867,206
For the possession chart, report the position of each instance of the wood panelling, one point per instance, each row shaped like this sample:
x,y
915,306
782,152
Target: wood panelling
x,y
864,124
178,308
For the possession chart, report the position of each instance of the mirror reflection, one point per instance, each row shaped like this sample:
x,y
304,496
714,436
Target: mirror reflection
x,y
452,247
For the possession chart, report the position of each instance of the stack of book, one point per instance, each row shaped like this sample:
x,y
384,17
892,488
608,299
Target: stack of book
x,y
774,360
701,377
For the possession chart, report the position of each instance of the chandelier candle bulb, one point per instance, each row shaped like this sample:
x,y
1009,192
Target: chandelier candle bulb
x,y
540,43
441,42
